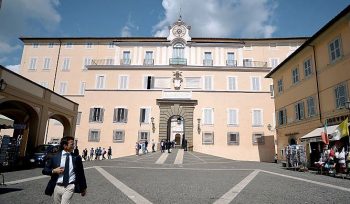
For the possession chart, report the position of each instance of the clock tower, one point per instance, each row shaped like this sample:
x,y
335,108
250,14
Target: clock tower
x,y
179,31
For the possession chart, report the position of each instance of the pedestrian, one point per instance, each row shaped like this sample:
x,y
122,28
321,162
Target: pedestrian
x,y
143,148
137,148
153,146
146,145
109,153
96,153
85,152
168,146
76,151
103,154
162,148
67,173
91,153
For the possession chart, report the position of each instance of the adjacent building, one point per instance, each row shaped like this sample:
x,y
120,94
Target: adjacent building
x,y
210,91
312,86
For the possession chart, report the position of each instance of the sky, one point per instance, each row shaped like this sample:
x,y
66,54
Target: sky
x,y
147,18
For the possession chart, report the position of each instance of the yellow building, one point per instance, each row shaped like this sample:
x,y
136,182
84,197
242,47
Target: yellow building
x,y
209,91
312,85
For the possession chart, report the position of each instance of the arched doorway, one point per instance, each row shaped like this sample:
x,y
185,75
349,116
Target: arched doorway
x,y
176,129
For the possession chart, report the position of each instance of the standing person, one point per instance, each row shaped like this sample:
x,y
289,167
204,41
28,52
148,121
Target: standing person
x,y
168,145
85,152
67,173
91,153
76,151
109,153
96,153
153,146
162,148
103,154
137,148
146,146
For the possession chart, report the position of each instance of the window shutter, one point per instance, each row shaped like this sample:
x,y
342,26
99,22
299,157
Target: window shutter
x,y
147,111
115,112
125,115
101,114
142,115
91,116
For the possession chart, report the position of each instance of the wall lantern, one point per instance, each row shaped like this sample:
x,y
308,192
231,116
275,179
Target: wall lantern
x,y
3,85
269,127
199,125
153,125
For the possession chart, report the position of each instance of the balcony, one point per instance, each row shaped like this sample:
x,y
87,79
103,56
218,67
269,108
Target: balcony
x,y
207,62
102,62
178,61
231,63
254,64
148,62
125,61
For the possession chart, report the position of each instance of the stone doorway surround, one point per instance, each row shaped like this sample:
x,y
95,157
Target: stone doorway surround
x,y
179,107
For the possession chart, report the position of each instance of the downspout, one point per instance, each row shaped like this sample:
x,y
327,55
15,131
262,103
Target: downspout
x,y
53,86
317,86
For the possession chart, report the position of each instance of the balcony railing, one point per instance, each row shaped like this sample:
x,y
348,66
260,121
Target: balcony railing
x,y
254,64
231,63
125,61
207,62
148,62
178,61
102,62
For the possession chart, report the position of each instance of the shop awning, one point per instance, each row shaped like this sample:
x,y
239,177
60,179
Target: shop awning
x,y
317,133
5,121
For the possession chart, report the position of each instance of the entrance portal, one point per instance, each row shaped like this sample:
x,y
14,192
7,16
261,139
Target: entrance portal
x,y
176,129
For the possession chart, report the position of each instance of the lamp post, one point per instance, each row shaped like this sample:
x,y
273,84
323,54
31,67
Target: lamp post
x,y
3,84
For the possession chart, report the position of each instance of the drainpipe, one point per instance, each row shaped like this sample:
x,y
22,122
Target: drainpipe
x,y
317,86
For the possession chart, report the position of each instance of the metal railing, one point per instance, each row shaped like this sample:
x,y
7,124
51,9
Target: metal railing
x,y
125,61
178,61
231,63
207,62
254,64
148,62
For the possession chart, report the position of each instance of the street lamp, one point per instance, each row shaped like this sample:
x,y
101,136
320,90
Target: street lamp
x,y
199,125
3,84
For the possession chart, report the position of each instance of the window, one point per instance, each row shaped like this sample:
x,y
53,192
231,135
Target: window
x,y
280,86
87,61
247,62
94,135
208,138
231,59
208,115
47,63
274,62
295,75
65,66
111,45
126,58
258,138
100,81
255,83
118,136
148,82
178,50
192,82
143,136
272,92
334,49
232,83
123,82
208,60
148,58
50,45
44,84
120,115
208,82
78,118
144,115
232,117
82,87
233,138
299,110
32,65
35,45
257,118
282,117
307,68
96,115
63,88
340,95
311,107
69,45
88,45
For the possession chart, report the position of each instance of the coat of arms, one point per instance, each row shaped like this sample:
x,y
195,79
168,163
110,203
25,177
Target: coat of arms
x,y
177,79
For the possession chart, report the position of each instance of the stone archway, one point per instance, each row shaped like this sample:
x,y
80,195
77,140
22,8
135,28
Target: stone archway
x,y
183,108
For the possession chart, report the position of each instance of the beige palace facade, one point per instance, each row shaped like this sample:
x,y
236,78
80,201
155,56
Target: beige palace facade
x,y
210,91
312,85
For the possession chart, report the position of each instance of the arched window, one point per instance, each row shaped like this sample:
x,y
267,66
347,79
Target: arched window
x,y
178,50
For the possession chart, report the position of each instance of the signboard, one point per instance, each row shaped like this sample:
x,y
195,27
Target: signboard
x,y
177,95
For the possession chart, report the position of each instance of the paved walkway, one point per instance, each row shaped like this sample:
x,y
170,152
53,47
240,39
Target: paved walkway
x,y
184,177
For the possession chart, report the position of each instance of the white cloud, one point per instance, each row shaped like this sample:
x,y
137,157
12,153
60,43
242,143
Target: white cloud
x,y
25,17
14,68
220,18
125,31
129,26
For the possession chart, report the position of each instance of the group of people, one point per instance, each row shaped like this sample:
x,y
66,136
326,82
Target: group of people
x,y
167,145
97,153
143,147
334,161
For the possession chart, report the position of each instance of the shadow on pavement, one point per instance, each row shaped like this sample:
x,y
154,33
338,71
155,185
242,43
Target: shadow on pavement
x,y
8,190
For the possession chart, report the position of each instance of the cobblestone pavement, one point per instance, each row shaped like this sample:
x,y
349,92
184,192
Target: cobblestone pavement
x,y
183,177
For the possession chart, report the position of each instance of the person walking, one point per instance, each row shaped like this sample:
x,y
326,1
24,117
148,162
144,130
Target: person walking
x,y
67,173
109,153
85,152
96,153
91,153
137,148
104,154
146,146
153,146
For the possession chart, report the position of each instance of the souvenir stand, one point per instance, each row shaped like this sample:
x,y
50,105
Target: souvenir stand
x,y
296,157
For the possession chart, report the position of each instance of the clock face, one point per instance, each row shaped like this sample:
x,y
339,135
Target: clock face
x,y
179,31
